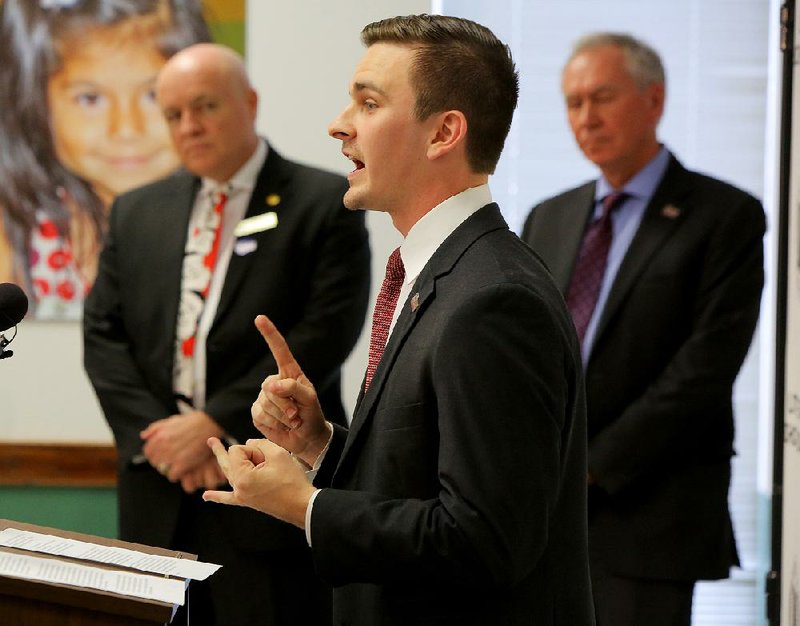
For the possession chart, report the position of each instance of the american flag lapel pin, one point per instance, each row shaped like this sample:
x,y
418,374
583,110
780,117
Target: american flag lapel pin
x,y
671,212
414,302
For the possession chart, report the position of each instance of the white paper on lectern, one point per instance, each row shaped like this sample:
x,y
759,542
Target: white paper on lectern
x,y
145,586
133,559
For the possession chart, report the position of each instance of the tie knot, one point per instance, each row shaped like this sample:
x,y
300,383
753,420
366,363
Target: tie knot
x,y
612,201
395,271
220,193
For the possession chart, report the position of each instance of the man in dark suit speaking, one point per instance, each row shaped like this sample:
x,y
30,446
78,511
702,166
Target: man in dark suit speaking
x,y
458,495
169,343
662,270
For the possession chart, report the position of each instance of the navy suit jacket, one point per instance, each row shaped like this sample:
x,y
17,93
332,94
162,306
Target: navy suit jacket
x,y
670,341
458,495
309,274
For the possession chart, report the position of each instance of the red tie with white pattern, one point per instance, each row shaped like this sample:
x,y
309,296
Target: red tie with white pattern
x,y
384,311
200,258
590,267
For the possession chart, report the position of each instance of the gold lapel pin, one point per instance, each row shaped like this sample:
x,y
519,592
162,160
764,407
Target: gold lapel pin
x,y
273,199
671,211
414,302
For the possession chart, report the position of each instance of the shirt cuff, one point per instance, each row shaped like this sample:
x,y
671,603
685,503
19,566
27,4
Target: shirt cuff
x,y
308,515
311,474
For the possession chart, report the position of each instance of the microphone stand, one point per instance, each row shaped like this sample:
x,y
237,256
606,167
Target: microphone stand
x,y
5,353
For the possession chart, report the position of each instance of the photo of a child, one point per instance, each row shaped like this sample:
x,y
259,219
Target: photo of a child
x,y
78,125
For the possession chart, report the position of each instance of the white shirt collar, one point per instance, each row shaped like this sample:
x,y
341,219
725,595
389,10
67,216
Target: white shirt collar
x,y
245,178
436,225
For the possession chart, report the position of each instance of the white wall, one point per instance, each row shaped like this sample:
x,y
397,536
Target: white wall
x,y
301,56
44,393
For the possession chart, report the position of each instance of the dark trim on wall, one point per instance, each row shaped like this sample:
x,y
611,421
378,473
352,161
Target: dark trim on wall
x,y
774,583
61,465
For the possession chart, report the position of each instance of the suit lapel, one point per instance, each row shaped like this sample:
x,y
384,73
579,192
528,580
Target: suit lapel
x,y
556,237
265,198
422,295
168,249
662,217
423,292
577,210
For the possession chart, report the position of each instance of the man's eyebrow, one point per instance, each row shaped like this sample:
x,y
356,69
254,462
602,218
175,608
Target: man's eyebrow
x,y
359,86
198,100
599,90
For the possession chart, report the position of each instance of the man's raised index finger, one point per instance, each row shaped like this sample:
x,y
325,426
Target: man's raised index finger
x,y
287,365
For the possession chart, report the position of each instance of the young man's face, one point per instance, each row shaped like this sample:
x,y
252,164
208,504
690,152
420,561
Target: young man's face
x,y
106,125
380,133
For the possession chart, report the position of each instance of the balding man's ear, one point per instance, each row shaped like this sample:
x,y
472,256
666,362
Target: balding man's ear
x,y
449,132
252,101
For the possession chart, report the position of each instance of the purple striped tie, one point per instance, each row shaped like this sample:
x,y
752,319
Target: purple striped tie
x,y
590,267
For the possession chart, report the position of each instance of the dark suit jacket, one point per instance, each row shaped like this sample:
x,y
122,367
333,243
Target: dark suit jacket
x,y
310,275
458,495
670,341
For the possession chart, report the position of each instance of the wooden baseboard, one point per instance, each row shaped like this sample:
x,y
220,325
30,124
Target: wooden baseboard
x,y
58,465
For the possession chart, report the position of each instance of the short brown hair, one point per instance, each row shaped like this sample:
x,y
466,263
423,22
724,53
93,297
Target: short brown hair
x,y
458,65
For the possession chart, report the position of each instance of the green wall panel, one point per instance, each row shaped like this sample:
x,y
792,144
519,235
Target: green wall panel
x,y
85,510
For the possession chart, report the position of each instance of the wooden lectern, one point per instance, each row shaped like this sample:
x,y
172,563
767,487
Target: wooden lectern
x,y
36,603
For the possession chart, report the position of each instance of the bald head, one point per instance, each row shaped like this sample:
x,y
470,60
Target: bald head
x,y
211,59
210,108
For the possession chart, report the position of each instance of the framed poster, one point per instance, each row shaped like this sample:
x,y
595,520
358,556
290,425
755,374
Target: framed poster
x,y
79,124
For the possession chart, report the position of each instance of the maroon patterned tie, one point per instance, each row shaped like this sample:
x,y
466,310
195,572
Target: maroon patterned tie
x,y
590,267
384,311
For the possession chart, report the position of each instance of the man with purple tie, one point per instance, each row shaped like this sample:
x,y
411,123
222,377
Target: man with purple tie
x,y
666,312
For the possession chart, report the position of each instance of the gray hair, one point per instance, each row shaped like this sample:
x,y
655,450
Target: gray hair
x,y
642,61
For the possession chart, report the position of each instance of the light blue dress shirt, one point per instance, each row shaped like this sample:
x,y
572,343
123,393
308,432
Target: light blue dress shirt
x,y
625,221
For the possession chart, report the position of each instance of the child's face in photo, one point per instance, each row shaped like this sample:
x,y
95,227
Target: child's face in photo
x,y
106,125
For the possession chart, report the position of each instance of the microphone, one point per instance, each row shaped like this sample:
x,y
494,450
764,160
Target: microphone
x,y
13,307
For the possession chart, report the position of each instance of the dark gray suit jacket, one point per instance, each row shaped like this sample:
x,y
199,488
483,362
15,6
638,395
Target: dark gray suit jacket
x,y
670,341
310,275
458,495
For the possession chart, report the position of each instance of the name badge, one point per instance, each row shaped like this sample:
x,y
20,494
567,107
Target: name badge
x,y
245,246
256,224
